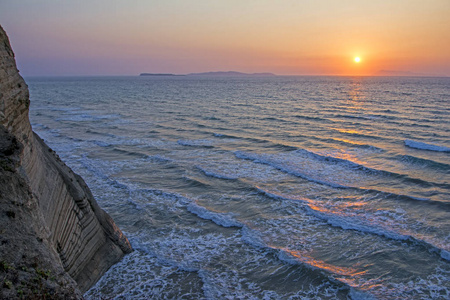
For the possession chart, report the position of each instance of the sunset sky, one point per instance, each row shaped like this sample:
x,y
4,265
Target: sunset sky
x,y
286,37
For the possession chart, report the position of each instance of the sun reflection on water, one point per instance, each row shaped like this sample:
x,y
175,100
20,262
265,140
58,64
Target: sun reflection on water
x,y
357,95
347,275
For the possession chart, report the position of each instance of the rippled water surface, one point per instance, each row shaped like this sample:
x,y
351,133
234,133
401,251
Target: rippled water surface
x,y
262,188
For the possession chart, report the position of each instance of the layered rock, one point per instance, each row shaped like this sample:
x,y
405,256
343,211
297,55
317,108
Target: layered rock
x,y
45,203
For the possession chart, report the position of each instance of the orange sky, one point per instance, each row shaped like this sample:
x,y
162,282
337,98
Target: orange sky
x,y
286,37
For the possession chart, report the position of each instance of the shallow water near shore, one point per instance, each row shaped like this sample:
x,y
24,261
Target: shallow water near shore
x,y
262,187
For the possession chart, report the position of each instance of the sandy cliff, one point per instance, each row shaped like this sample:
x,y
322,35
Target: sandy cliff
x,y
52,231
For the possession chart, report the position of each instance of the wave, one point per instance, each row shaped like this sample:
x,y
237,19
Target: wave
x,y
252,137
216,175
197,143
110,135
282,167
78,118
63,109
355,133
34,125
130,153
359,223
402,177
347,277
278,120
426,146
195,182
216,245
211,118
284,146
337,167
274,144
101,143
253,238
355,144
222,219
239,176
359,117
313,208
318,119
423,162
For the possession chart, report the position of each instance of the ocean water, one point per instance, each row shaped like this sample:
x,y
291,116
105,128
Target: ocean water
x,y
262,187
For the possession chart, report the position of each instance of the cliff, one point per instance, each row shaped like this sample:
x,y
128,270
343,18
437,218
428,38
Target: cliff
x,y
55,241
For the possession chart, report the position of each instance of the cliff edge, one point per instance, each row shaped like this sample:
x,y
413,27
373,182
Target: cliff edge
x,y
55,241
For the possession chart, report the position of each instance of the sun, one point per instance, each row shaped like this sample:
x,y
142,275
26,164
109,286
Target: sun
x,y
357,59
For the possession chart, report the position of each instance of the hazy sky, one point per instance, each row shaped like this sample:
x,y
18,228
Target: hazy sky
x,y
306,37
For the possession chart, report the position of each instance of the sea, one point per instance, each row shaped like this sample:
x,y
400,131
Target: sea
x,y
270,187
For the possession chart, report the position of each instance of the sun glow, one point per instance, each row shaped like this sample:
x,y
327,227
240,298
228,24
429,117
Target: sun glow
x,y
357,59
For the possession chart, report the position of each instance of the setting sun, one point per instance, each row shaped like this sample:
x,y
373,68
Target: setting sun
x,y
357,59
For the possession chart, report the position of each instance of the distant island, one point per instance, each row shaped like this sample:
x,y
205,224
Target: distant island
x,y
158,74
220,73
230,73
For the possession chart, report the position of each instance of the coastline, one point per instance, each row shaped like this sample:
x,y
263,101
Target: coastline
x,y
51,226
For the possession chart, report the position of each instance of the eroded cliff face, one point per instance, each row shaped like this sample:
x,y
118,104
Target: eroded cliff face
x,y
44,202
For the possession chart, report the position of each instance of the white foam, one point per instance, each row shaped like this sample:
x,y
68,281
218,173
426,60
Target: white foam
x,y
426,146
359,224
228,167
216,175
298,167
434,286
143,276
381,223
360,295
222,219
101,143
196,143
445,255
271,195
252,237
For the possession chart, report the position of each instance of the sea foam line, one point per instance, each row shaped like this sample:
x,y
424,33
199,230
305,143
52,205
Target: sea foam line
x,y
215,175
351,223
281,165
222,219
259,159
426,146
342,275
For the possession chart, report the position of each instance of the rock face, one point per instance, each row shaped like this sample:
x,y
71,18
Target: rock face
x,y
51,227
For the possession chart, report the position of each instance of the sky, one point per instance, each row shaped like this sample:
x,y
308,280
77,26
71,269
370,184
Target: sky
x,y
285,37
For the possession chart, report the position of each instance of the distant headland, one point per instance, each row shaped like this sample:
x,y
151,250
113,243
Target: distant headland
x,y
220,73
230,73
158,74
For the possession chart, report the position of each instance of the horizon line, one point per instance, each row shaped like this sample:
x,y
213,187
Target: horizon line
x,y
243,75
